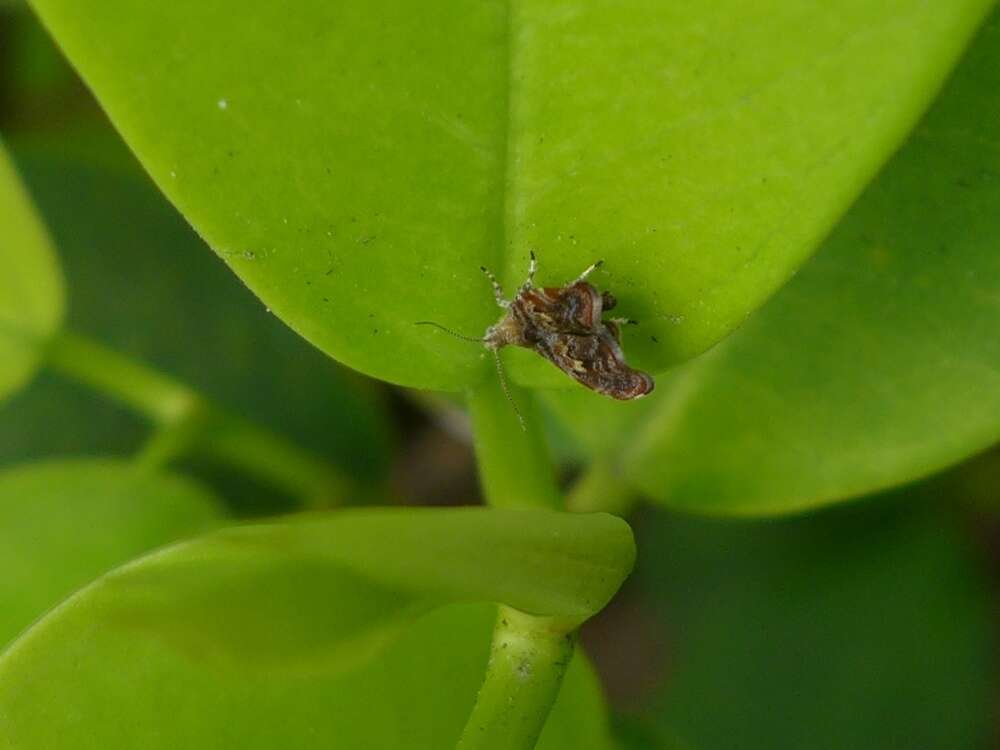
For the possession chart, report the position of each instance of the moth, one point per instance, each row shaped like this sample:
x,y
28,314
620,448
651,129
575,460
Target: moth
x,y
564,325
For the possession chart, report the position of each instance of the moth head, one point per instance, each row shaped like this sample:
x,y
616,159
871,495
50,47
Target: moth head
x,y
496,337
508,331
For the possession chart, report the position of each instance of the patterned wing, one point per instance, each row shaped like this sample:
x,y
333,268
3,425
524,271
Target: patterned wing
x,y
575,309
597,362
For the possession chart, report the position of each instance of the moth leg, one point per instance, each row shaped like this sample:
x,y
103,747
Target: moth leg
x,y
590,269
497,289
530,281
623,321
532,268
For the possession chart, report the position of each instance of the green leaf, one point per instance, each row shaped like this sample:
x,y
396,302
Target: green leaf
x,y
864,628
31,293
175,306
414,694
64,523
355,162
878,364
284,633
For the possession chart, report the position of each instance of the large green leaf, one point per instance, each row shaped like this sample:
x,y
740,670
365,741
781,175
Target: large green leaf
x,y
878,363
282,633
865,628
355,162
64,523
31,293
81,689
176,307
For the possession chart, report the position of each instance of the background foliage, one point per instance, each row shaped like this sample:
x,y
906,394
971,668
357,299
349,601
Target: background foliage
x,y
704,184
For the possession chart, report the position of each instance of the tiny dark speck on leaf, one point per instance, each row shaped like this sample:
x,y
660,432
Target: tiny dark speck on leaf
x,y
326,299
374,330
654,339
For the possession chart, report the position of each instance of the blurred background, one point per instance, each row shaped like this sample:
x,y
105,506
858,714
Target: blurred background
x,y
871,625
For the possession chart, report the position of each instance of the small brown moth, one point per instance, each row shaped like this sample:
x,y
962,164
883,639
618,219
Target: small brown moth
x,y
563,324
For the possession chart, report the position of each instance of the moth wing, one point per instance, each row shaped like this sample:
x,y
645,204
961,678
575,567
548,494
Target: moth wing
x,y
573,309
597,362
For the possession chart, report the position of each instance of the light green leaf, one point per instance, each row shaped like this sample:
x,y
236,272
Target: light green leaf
x,y
64,523
88,689
879,363
283,633
31,293
865,628
355,162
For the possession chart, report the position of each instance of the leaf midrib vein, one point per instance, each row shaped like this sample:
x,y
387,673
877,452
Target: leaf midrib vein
x,y
507,158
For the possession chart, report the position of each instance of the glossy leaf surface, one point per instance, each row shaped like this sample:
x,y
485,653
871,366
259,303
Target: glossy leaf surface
x,y
31,293
64,523
877,364
356,162
302,632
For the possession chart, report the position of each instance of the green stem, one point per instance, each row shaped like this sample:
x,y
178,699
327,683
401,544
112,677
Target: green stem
x,y
529,654
170,441
528,658
600,489
159,397
514,464
185,421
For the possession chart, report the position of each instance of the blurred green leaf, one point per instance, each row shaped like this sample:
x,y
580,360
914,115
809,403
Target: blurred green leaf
x,y
634,733
64,523
31,293
862,628
142,282
356,162
878,364
281,631
35,78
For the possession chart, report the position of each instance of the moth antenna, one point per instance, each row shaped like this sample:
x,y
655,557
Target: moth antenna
x,y
506,390
447,330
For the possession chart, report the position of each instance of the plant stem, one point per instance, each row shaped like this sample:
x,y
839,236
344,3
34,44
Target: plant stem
x,y
186,421
159,397
528,658
514,464
170,441
529,654
600,489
